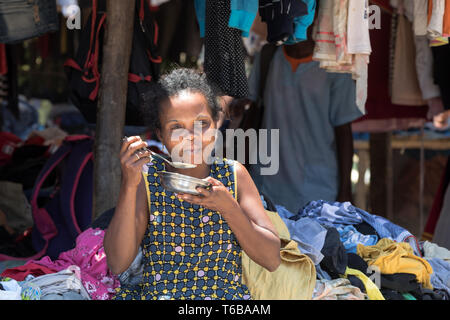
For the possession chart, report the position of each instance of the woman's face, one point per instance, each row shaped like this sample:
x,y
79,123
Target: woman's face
x,y
187,127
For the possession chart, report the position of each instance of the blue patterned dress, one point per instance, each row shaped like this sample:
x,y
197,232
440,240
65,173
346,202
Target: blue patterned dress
x,y
189,252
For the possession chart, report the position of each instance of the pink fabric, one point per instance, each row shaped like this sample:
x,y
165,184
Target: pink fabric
x,y
89,255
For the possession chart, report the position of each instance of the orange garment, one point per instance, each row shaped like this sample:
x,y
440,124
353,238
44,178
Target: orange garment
x,y
430,10
446,29
296,62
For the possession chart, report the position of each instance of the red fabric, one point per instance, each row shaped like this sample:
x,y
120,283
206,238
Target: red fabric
x,y
8,143
379,104
3,60
35,140
20,273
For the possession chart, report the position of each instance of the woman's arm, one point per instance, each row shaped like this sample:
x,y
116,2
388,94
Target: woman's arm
x,y
127,227
245,216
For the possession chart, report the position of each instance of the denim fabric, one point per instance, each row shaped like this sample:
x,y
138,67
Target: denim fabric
x,y
440,278
22,127
133,275
200,10
59,283
302,23
321,274
350,238
70,295
332,214
309,235
283,212
335,214
25,19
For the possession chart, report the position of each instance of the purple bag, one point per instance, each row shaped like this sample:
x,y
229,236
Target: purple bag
x,y
68,210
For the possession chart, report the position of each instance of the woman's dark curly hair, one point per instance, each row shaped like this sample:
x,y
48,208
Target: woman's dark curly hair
x,y
172,84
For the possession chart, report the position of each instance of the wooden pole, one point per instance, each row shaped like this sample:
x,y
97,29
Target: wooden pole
x,y
112,103
381,175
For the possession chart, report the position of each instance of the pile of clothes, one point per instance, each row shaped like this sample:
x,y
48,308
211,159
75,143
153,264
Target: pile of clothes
x,y
356,256
360,256
78,274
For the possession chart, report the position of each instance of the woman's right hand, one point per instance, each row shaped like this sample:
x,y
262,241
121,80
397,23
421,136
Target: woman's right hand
x,y
132,160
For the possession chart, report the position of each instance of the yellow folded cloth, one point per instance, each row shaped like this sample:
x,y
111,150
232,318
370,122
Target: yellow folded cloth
x,y
396,257
373,293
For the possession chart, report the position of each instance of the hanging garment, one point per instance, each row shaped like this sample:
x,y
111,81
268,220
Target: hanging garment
x,y
420,20
243,13
382,114
405,84
279,16
358,43
446,26
224,51
89,256
424,66
3,60
337,289
23,19
294,279
302,23
441,71
330,33
206,264
394,257
178,31
436,11
372,290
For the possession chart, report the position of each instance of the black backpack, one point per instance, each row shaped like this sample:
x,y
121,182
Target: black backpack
x,y
83,72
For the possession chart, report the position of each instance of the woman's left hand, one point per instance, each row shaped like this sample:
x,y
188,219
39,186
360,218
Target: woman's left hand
x,y
216,198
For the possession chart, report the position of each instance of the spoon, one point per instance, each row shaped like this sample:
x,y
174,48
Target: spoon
x,y
178,165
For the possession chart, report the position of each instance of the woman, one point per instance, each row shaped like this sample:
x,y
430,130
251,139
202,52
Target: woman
x,y
191,244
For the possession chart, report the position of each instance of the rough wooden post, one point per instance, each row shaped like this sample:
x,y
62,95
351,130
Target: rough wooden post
x,y
381,175
112,103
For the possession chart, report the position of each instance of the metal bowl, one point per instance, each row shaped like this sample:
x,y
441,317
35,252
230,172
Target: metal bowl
x,y
181,183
